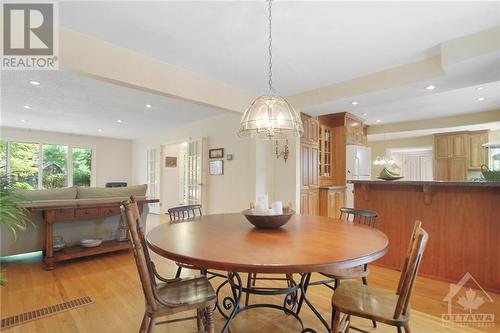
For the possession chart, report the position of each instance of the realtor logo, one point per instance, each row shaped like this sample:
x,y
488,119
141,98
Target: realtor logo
x,y
29,32
467,302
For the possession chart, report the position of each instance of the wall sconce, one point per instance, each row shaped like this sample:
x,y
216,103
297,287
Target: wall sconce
x,y
284,152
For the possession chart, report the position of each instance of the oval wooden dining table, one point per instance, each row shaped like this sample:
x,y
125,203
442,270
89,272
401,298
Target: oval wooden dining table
x,y
306,244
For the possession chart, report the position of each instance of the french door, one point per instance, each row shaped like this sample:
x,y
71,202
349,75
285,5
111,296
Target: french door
x,y
193,172
152,178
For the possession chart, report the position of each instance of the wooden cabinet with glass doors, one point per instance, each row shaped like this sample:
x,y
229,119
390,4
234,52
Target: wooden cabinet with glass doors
x,y
326,155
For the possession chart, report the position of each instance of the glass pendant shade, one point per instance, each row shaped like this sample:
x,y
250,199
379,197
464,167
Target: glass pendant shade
x,y
270,118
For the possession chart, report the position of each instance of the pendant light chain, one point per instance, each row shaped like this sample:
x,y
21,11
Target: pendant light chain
x,y
270,116
270,18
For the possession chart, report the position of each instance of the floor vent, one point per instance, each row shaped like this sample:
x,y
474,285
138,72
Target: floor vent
x,y
44,312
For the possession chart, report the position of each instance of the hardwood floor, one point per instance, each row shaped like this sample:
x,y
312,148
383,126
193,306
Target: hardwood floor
x,y
112,282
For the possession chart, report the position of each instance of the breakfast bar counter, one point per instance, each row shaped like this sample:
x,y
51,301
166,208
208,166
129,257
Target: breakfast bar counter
x,y
462,218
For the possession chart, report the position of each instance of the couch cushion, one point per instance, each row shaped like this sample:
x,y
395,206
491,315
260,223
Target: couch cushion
x,y
66,193
106,192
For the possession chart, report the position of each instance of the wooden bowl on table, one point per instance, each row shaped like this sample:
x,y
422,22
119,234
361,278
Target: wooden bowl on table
x,y
268,221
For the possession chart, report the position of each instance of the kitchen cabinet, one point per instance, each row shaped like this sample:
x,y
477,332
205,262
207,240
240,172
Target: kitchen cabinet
x,y
331,200
456,153
326,153
450,152
311,130
313,202
309,166
478,153
356,131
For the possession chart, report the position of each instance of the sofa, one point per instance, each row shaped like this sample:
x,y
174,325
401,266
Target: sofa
x,y
72,231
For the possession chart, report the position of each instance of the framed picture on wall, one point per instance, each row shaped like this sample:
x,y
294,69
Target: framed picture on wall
x,y
216,167
170,162
216,153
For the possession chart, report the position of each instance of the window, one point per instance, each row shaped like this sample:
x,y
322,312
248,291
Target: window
x,y
3,163
36,165
23,166
82,166
55,166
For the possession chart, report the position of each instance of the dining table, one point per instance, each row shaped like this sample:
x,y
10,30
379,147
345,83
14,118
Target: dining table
x,y
229,243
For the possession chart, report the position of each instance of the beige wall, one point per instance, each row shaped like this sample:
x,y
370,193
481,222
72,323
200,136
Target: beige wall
x,y
113,156
170,179
495,136
379,148
254,167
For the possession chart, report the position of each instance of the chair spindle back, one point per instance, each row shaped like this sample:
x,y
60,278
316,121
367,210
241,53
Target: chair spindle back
x,y
184,212
130,214
410,268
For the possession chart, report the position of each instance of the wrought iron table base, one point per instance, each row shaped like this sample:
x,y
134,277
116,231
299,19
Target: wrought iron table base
x,y
291,305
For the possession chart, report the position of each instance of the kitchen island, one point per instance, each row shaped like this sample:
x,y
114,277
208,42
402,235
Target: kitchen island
x,y
462,219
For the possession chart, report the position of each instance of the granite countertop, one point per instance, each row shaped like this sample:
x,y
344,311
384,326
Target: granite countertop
x,y
427,183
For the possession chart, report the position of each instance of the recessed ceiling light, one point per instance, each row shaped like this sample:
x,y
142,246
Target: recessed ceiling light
x,y
27,107
378,120
354,103
430,87
99,130
119,121
23,121
148,106
479,88
365,114
35,83
480,99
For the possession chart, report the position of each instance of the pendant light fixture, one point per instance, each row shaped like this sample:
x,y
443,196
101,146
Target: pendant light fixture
x,y
383,160
270,117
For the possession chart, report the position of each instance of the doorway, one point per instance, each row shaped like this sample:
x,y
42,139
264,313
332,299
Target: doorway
x,y
416,163
181,174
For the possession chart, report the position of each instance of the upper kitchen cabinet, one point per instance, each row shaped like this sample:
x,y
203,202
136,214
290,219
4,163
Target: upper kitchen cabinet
x,y
336,131
356,131
311,130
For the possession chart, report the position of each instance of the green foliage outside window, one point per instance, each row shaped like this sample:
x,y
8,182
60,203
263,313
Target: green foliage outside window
x,y
82,165
24,165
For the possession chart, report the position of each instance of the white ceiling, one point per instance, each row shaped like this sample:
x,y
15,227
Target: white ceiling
x,y
314,43
70,103
435,104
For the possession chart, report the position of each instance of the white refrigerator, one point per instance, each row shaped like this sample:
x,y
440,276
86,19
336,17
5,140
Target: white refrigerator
x,y
358,167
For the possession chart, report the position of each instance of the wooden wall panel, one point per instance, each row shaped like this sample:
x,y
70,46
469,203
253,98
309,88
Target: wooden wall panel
x,y
463,225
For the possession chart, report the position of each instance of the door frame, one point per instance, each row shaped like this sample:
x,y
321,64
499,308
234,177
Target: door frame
x,y
204,165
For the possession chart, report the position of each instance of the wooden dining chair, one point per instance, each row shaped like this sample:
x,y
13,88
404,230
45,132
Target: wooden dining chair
x,y
361,216
356,216
388,307
185,213
170,296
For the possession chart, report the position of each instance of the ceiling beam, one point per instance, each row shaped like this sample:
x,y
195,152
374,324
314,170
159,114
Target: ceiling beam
x,y
379,81
89,56
454,54
436,123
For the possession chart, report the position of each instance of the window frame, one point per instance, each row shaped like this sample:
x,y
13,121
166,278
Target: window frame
x,y
69,159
